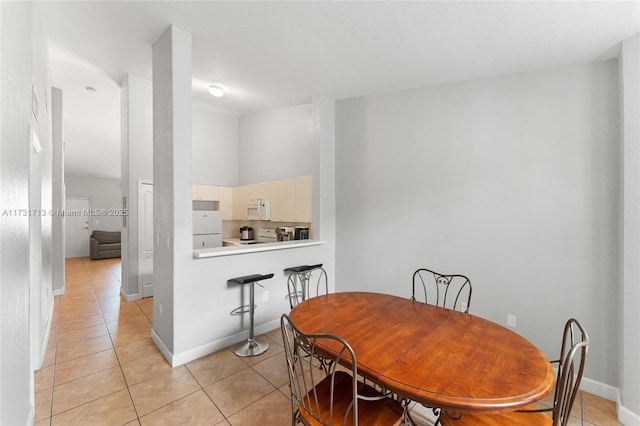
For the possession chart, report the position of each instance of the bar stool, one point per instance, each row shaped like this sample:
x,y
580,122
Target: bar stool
x,y
302,274
252,346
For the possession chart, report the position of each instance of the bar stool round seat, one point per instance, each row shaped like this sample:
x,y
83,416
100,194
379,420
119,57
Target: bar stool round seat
x,y
302,268
254,345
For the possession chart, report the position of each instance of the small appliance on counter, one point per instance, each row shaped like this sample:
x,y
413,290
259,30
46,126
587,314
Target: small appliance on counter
x,y
246,233
285,233
301,233
267,235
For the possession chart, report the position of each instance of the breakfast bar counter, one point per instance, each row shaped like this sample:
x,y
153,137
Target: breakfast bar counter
x,y
253,248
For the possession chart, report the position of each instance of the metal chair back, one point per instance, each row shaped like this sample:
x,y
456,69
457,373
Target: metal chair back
x,y
446,291
575,344
306,284
327,395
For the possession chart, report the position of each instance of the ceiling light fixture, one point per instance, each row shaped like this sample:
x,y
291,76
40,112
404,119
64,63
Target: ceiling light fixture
x,y
216,91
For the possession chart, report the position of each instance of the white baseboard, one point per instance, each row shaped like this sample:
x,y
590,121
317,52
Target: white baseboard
x,y
44,344
627,417
182,358
163,348
600,389
130,297
31,416
59,292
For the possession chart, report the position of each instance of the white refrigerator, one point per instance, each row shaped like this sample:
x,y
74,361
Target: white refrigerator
x,y
207,229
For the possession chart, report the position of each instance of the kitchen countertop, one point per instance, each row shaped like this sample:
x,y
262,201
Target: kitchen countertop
x,y
237,241
252,248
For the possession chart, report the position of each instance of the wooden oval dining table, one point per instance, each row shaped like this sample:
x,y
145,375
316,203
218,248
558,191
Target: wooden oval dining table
x,y
438,357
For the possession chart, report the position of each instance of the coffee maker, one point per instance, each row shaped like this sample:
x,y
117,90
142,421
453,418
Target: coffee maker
x,y
284,233
301,233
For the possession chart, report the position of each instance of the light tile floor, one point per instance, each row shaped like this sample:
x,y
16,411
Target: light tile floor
x,y
102,368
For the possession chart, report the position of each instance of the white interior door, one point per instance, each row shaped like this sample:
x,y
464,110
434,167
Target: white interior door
x,y
145,238
77,226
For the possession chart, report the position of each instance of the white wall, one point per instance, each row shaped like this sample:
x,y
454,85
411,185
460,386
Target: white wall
x,y
104,194
512,181
276,144
40,199
629,300
16,375
26,185
215,145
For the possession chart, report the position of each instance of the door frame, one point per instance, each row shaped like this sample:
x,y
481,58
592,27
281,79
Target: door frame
x,y
140,253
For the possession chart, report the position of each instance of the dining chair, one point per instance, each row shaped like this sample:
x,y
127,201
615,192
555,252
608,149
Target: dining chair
x,y
573,353
305,281
335,398
446,291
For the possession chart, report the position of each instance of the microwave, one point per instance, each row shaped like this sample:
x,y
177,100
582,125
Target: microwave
x,y
258,209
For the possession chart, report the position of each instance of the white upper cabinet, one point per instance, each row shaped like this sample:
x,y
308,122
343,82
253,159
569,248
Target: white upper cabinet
x,y
205,192
240,197
283,200
291,200
223,195
260,190
304,199
226,202
241,194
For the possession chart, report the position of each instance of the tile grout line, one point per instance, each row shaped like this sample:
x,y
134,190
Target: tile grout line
x,y
124,377
205,392
55,350
55,355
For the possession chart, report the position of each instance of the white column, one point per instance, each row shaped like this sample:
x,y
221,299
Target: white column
x,y
173,251
324,186
629,368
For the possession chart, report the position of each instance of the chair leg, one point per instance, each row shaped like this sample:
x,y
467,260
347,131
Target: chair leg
x,y
295,419
445,418
408,420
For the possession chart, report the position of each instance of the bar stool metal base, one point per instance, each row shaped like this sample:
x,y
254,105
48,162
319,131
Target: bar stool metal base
x,y
251,347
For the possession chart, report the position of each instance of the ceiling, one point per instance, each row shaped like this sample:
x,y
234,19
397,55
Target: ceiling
x,y
275,54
